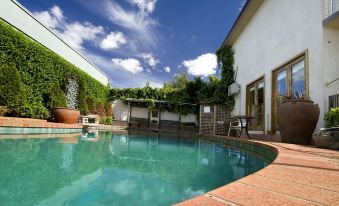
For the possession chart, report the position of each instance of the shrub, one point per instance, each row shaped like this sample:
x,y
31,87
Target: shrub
x,y
332,117
54,98
3,110
33,79
108,109
106,120
9,84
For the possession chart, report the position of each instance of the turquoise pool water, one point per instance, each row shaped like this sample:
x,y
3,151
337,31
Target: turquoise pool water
x,y
116,169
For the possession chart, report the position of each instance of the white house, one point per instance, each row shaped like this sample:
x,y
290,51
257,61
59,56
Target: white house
x,y
282,47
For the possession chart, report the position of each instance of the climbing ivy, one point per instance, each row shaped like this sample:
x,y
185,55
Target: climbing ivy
x,y
225,58
33,79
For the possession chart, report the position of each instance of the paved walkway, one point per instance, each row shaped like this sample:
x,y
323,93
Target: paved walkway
x,y
300,175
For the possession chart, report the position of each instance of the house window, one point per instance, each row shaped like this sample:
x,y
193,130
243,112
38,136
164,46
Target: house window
x,y
288,80
333,101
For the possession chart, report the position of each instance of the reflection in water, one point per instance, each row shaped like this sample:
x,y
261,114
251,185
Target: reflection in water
x,y
67,158
116,170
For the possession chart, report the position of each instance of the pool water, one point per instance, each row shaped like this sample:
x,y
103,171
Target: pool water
x,y
116,169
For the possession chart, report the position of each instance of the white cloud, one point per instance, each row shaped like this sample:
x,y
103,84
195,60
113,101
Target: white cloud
x,y
113,41
140,26
145,5
131,65
150,59
52,18
57,13
167,69
156,84
203,65
76,33
122,78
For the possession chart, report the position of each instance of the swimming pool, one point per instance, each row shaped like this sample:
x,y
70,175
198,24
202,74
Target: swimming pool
x,y
108,168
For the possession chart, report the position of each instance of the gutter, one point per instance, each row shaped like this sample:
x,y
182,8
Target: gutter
x,y
245,16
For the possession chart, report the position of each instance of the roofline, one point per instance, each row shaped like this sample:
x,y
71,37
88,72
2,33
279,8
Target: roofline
x,y
242,20
157,101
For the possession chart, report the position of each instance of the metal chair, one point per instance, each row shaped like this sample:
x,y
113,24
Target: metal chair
x,y
236,125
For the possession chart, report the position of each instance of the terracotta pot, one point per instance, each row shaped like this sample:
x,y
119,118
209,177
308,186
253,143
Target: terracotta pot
x,y
297,120
66,115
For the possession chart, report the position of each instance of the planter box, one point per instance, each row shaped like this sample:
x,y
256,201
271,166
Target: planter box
x,y
327,141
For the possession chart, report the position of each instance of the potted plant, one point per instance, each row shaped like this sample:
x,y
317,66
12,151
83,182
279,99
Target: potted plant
x,y
66,115
64,107
297,119
329,137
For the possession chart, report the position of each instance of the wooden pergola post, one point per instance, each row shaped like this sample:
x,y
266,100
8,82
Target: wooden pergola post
x,y
200,115
214,118
180,117
159,115
149,118
129,112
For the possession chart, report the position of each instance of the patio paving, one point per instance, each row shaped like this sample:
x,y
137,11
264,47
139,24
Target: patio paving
x,y
300,175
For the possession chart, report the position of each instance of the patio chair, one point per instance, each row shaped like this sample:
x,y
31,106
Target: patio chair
x,y
236,125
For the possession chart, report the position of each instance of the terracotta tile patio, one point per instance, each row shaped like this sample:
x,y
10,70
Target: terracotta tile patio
x,y
300,175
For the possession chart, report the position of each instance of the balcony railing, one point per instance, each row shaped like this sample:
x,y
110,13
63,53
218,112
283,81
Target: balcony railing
x,y
333,6
331,14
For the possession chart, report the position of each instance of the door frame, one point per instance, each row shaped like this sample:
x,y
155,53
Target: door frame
x,y
287,65
248,86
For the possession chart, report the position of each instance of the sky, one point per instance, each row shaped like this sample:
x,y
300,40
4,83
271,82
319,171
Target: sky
x,y
139,41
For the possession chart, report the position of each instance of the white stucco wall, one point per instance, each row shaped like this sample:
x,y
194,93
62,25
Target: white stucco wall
x,y
189,118
139,112
172,116
120,110
278,32
20,18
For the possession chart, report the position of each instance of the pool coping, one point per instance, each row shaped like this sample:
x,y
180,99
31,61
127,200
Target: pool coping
x,y
299,175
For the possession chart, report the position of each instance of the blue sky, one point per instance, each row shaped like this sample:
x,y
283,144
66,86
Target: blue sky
x,y
139,41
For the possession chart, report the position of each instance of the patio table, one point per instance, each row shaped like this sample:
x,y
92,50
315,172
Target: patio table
x,y
241,118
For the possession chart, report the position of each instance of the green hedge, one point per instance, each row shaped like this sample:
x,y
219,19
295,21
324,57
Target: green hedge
x,y
33,78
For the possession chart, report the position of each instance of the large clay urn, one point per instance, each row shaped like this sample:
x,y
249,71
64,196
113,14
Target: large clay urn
x,y
66,115
297,119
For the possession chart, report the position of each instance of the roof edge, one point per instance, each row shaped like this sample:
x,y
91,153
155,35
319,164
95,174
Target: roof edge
x,y
246,14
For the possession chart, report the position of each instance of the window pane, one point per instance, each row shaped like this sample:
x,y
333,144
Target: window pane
x,y
298,78
252,100
252,106
281,83
281,90
261,103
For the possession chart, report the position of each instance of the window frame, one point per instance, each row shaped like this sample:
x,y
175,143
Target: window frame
x,y
303,56
255,85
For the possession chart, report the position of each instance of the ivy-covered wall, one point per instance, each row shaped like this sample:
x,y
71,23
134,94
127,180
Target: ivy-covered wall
x,y
33,79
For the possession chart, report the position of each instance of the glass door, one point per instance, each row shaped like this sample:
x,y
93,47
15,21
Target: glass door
x,y
288,80
281,91
256,104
